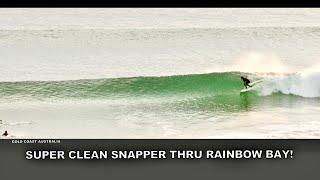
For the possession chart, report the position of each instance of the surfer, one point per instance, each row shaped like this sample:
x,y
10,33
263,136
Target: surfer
x,y
5,133
245,82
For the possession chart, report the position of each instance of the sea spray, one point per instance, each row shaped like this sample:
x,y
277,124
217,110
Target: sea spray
x,y
260,62
305,84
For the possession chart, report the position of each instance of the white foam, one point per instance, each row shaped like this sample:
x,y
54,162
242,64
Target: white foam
x,y
305,84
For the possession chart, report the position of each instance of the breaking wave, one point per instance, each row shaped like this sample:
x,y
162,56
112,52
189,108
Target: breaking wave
x,y
305,84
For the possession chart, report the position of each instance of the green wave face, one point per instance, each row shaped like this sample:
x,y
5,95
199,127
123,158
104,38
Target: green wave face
x,y
189,85
216,92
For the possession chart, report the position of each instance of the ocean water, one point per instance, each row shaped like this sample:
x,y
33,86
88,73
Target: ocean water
x,y
159,73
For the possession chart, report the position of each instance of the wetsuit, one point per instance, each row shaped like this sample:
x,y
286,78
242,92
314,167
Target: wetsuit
x,y
246,82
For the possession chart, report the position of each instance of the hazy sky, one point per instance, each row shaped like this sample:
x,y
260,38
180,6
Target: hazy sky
x,y
66,18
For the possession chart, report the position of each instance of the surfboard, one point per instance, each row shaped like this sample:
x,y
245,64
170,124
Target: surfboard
x,y
256,82
246,90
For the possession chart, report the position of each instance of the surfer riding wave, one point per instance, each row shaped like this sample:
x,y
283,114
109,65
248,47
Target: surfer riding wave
x,y
246,82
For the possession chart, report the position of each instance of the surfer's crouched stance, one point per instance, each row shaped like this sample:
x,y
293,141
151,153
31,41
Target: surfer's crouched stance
x,y
245,82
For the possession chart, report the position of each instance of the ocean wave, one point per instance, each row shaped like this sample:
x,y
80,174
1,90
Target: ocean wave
x,y
305,84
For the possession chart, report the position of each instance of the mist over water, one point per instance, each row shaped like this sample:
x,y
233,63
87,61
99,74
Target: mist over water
x,y
159,73
90,54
